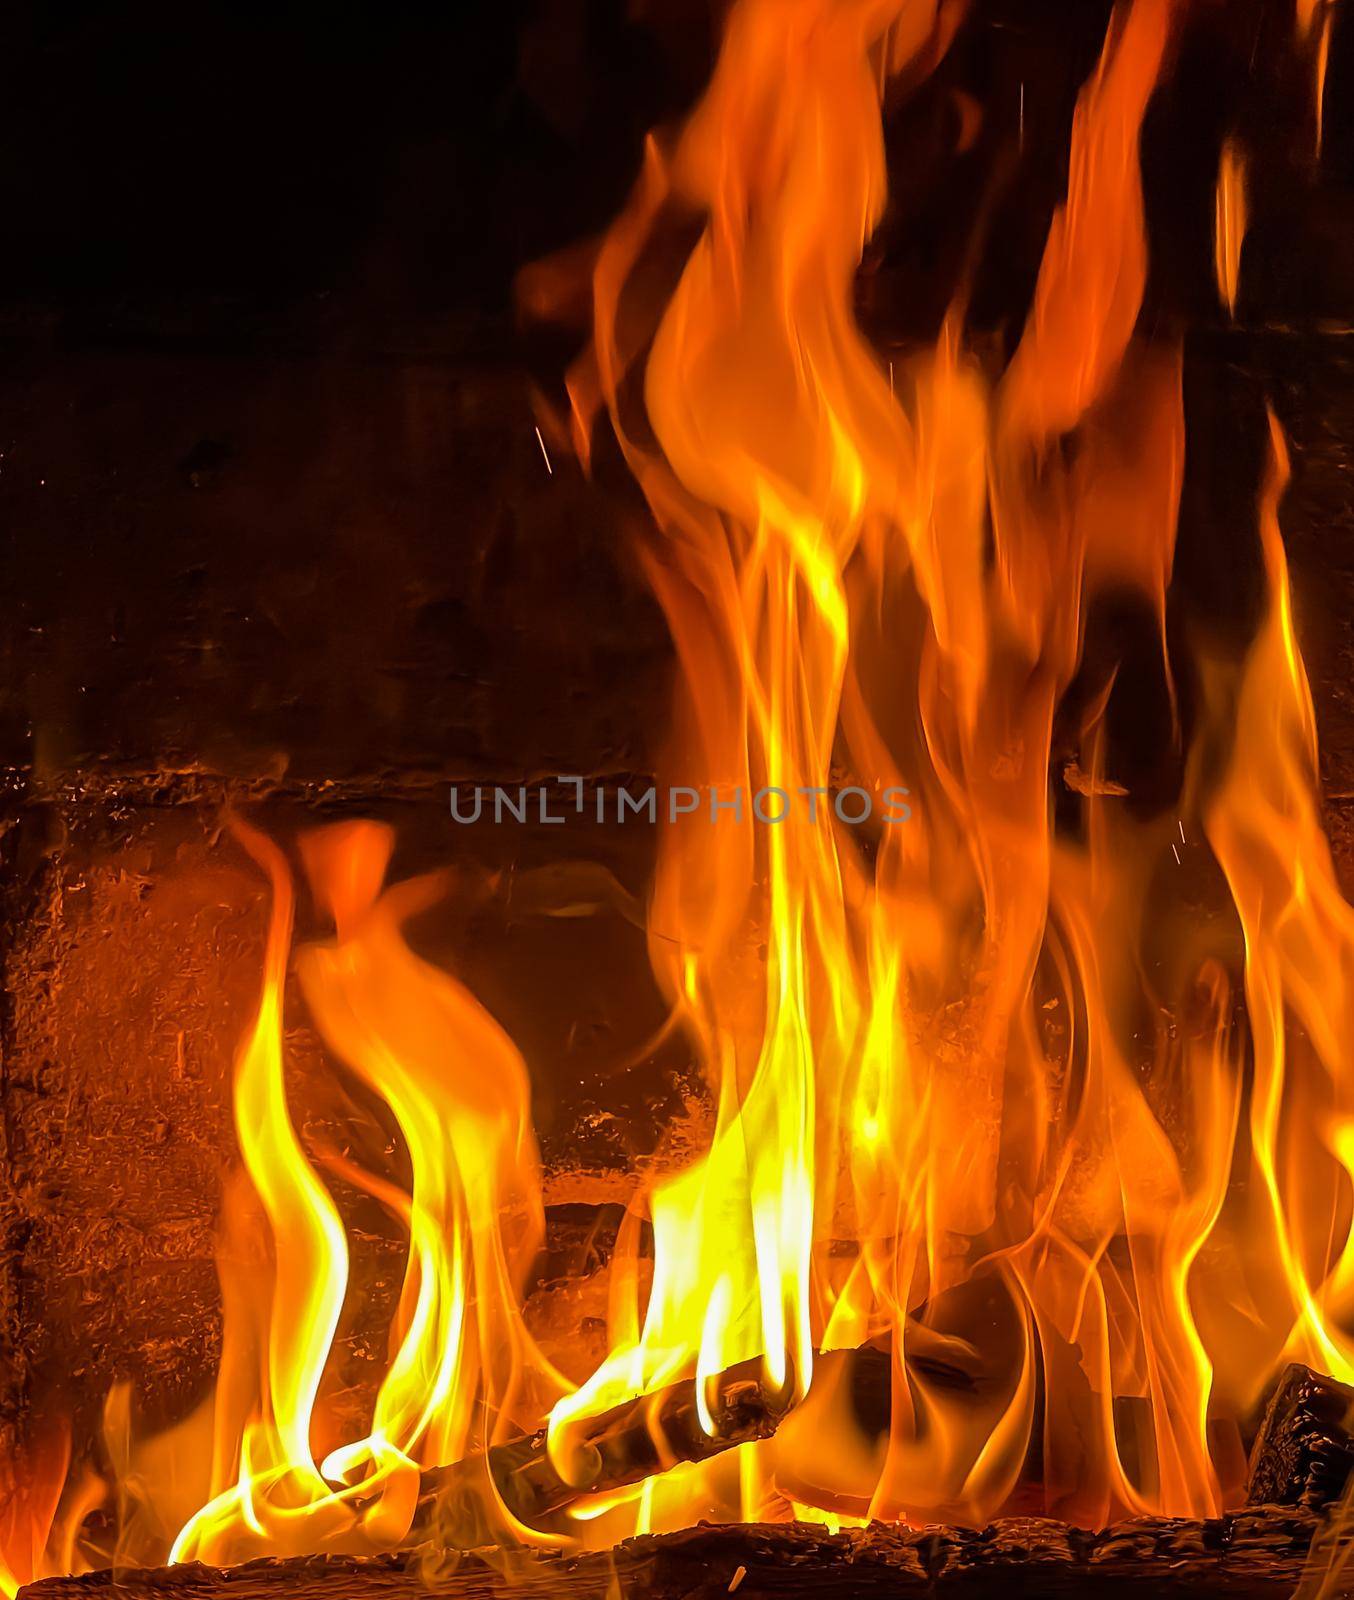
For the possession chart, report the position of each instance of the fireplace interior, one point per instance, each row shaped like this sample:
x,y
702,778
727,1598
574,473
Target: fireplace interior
x,y
463,473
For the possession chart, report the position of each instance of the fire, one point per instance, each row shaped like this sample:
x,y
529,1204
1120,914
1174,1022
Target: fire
x,y
294,1311
1314,19
819,525
1229,228
30,1493
1264,826
996,1105
797,493
462,1365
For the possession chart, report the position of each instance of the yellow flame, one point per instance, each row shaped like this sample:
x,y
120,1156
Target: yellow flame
x,y
457,1089
277,1495
1264,824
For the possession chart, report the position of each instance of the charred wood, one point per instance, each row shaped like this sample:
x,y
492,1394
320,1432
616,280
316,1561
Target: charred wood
x,y
1304,1452
1254,1555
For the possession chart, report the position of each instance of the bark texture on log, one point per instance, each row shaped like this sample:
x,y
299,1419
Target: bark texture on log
x,y
1255,1555
1304,1452
636,1440
622,1446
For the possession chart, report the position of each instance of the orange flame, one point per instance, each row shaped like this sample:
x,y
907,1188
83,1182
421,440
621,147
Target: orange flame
x,y
1229,228
269,1494
1313,20
458,1090
1322,65
30,1493
802,497
1264,826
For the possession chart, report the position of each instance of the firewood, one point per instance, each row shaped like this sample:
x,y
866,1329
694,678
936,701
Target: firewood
x,y
1255,1555
621,1446
633,1441
1304,1452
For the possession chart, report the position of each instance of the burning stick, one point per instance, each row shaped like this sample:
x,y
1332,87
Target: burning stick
x,y
650,1434
1303,1454
620,1447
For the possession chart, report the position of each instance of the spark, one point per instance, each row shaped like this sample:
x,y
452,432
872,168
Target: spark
x,y
1175,851
737,1578
1022,116
1179,824
540,441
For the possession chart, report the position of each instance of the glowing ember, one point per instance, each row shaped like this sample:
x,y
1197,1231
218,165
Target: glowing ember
x,y
994,1101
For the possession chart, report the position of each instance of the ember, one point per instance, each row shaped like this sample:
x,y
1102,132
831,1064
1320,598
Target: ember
x,y
1006,1237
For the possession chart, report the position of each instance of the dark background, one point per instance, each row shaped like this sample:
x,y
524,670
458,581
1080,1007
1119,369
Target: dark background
x,y
270,499
409,158
404,157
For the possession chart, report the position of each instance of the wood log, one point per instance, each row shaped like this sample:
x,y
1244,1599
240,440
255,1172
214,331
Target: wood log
x,y
621,1446
1303,1455
1255,1555
1304,1452
642,1437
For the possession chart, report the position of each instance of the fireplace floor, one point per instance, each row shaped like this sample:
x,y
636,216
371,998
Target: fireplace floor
x,y
1256,1554
1301,1473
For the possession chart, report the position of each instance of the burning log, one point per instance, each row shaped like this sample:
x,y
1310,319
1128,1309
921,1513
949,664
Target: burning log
x,y
1303,1455
622,1446
1304,1452
1254,1555
634,1441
